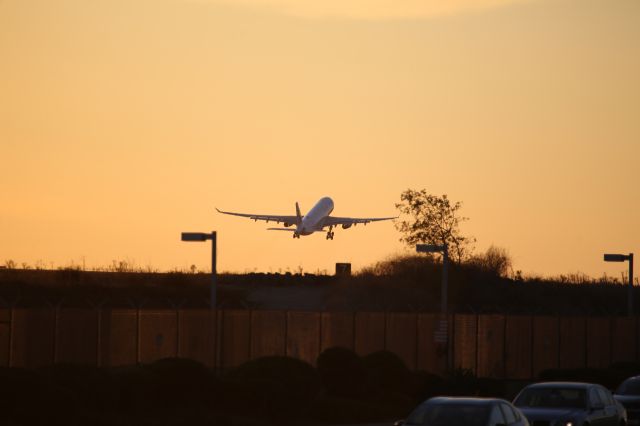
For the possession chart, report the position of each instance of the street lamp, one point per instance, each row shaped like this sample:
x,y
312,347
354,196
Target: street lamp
x,y
622,258
200,236
440,335
444,249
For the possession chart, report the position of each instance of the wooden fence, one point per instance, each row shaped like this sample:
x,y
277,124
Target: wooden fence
x,y
498,346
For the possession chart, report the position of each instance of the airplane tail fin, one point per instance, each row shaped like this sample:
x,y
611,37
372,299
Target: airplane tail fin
x,y
298,215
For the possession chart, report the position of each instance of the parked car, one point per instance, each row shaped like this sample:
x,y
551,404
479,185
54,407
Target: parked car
x,y
449,411
570,404
628,394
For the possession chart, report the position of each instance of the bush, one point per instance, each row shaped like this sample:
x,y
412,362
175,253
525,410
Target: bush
x,y
28,398
334,410
277,388
343,373
388,372
463,382
137,389
93,387
184,382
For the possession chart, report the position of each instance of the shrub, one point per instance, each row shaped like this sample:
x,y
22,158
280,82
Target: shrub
x,y
93,387
184,382
28,398
388,372
334,410
343,373
275,387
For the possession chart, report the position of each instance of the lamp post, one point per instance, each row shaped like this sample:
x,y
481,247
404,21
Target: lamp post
x,y
200,236
623,258
440,336
444,249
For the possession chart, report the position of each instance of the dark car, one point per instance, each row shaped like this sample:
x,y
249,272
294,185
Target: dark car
x,y
628,394
570,404
446,411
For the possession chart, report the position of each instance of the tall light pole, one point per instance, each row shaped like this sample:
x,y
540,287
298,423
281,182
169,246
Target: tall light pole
x,y
622,258
440,336
444,249
200,236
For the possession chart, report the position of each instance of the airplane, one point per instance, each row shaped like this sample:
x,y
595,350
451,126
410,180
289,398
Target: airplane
x,y
314,221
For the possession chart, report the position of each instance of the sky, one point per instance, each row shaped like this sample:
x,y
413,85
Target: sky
x,y
124,123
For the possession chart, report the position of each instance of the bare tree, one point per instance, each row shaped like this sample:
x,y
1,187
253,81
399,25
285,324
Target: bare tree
x,y
430,219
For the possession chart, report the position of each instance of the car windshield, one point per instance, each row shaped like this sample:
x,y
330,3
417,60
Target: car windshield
x,y
629,387
449,414
552,398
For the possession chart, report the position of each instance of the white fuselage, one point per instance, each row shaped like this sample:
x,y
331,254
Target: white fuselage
x,y
317,220
314,220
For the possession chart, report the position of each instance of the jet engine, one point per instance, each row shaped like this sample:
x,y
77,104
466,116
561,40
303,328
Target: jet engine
x,y
346,225
286,224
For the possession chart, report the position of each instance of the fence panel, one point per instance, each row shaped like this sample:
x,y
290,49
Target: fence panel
x,y
197,335
77,336
545,344
370,332
303,336
465,341
268,330
518,350
158,336
5,336
118,337
598,336
235,342
573,343
336,330
624,340
402,330
491,346
432,355
33,340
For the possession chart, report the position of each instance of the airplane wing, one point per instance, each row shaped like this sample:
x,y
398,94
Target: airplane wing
x,y
266,217
348,221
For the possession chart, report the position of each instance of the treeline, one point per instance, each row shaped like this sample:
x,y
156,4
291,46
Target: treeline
x,y
483,283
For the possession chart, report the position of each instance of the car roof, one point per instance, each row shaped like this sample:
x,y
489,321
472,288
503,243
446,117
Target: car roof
x,y
463,400
561,385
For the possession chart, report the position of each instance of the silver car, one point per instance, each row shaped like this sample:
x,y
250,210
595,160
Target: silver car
x,y
570,404
450,411
628,393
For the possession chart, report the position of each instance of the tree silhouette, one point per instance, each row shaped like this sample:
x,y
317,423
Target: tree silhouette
x,y
430,219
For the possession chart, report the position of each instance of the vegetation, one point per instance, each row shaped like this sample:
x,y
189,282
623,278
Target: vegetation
x,y
275,390
432,219
485,282
265,391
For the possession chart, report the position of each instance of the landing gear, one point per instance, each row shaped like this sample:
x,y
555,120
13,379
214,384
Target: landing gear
x,y
330,234
296,235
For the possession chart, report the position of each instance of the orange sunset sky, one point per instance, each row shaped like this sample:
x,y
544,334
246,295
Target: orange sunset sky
x,y
123,123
